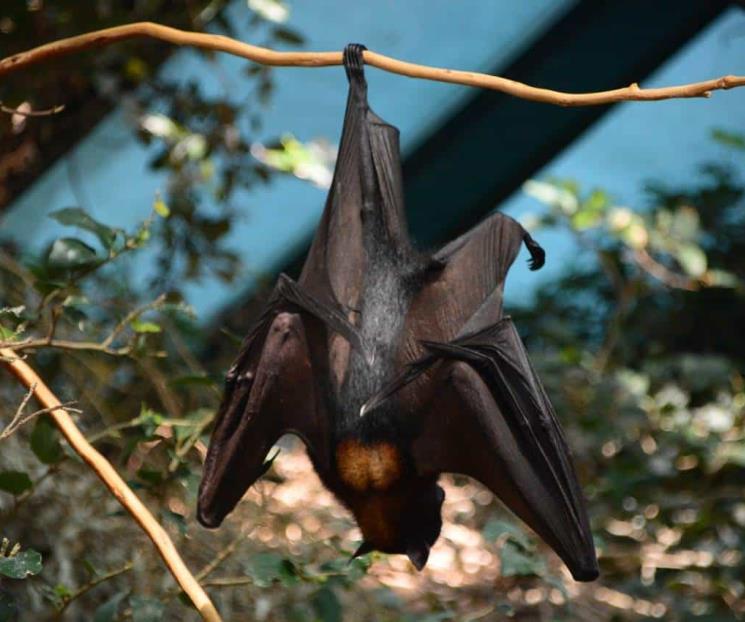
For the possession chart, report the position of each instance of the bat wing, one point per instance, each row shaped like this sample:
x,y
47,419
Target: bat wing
x,y
366,185
481,408
464,292
292,355
270,390
490,418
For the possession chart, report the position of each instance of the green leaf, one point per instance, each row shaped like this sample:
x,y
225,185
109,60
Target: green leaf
x,y
721,278
71,254
326,605
591,211
15,482
152,477
161,208
22,565
109,610
146,609
517,563
145,327
729,139
45,441
289,36
77,217
268,568
496,528
692,259
6,334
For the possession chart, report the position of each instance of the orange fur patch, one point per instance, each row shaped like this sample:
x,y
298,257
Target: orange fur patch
x,y
365,467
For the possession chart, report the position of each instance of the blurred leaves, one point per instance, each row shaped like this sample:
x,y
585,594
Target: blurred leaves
x,y
77,217
313,161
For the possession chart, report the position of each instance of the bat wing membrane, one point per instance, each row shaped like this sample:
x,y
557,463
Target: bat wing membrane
x,y
270,390
465,291
491,419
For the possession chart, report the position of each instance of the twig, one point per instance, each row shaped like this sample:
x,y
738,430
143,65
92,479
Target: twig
x,y
31,113
63,344
221,556
132,315
265,56
228,581
105,346
19,419
662,273
93,583
28,377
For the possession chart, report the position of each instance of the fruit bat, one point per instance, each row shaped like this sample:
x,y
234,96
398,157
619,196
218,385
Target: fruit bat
x,y
394,366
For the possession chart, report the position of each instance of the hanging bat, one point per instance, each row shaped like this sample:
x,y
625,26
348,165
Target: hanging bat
x,y
395,366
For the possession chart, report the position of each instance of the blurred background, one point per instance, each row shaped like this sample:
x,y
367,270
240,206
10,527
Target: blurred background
x,y
142,226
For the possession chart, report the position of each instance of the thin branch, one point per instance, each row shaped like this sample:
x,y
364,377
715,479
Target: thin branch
x,y
220,557
108,475
105,346
228,582
132,315
266,56
19,419
63,344
93,583
672,279
31,113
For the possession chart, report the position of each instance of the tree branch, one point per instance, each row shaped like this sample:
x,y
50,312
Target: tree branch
x,y
19,419
63,344
91,584
23,112
266,56
29,378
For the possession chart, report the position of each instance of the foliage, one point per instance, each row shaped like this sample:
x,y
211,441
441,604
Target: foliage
x,y
637,343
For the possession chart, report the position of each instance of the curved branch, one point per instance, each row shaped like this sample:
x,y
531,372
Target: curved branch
x,y
29,378
266,56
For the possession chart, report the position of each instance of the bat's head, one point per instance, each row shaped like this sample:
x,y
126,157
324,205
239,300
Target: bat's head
x,y
406,523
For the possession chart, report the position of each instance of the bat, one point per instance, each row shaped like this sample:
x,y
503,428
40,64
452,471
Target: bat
x,y
395,366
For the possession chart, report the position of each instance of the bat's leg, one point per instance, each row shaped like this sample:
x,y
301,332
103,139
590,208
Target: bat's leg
x,y
489,235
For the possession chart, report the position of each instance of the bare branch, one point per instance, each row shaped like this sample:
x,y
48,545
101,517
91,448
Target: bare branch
x,y
266,56
20,419
62,344
664,274
93,583
108,475
132,315
31,113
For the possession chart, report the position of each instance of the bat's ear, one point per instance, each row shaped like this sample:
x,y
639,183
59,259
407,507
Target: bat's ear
x,y
418,553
